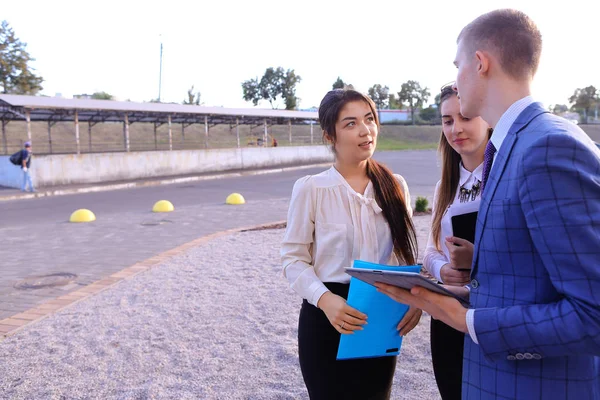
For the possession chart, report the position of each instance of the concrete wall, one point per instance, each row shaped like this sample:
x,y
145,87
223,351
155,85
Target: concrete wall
x,y
52,170
10,174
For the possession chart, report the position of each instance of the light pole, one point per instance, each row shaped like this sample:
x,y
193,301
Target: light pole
x,y
160,69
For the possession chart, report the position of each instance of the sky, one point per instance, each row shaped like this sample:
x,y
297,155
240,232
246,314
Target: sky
x,y
114,46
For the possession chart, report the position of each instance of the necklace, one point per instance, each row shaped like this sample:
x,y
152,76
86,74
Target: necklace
x,y
470,194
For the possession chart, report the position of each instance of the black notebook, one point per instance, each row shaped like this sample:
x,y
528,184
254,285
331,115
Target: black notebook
x,y
463,226
463,217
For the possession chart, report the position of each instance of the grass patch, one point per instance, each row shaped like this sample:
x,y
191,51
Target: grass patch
x,y
398,144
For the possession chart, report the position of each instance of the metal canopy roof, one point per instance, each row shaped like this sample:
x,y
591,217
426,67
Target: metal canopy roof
x,y
15,107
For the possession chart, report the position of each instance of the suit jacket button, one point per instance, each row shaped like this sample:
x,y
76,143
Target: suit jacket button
x,y
528,356
511,358
520,356
536,356
474,284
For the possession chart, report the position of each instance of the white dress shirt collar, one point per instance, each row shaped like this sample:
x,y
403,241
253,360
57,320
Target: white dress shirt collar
x,y
465,174
508,119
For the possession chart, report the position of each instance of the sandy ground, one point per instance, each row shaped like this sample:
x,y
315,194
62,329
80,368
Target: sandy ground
x,y
217,322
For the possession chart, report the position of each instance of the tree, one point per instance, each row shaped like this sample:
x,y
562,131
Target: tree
x,y
558,109
429,114
288,90
16,76
393,102
438,104
275,84
192,97
271,85
340,84
252,92
380,96
584,100
101,96
414,96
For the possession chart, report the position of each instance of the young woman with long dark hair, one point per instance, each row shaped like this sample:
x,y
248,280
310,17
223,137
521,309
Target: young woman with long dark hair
x,y
357,209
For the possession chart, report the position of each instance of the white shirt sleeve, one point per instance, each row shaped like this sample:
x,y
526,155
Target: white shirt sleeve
x,y
434,259
296,248
471,325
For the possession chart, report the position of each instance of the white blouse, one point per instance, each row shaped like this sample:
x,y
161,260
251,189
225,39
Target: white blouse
x,y
434,260
329,225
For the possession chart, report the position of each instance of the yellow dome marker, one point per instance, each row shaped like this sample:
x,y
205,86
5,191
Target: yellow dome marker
x,y
163,206
235,198
82,215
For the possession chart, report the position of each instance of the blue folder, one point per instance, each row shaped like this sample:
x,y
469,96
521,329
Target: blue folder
x,y
379,337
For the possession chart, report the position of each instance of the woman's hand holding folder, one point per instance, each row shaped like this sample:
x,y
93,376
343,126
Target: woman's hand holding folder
x,y
341,316
410,320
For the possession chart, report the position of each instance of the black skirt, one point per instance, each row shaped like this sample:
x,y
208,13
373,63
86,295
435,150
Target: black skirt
x,y
327,378
447,356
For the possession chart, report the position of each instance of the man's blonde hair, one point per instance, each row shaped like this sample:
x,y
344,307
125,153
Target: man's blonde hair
x,y
511,36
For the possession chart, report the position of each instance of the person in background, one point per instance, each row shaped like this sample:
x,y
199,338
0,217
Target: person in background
x,y
25,166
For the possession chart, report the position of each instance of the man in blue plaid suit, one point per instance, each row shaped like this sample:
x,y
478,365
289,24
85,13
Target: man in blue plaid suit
x,y
534,320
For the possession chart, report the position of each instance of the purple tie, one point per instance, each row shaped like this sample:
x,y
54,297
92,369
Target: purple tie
x,y
488,159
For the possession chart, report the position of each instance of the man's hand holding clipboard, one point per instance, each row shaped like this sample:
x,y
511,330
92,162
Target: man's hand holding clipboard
x,y
444,308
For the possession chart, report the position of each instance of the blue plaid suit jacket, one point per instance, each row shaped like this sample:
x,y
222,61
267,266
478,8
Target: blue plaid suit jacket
x,y
536,267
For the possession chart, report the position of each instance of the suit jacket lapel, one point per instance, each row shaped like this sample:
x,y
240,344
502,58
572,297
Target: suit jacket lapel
x,y
498,168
